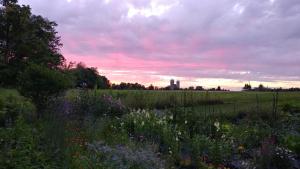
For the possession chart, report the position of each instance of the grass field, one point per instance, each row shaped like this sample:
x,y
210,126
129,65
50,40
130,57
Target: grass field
x,y
201,100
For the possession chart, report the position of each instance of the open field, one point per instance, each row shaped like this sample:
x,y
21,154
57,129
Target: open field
x,y
219,101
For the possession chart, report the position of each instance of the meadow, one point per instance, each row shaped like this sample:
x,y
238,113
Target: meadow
x,y
151,129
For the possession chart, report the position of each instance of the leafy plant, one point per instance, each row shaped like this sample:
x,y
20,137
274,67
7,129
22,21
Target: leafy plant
x,y
40,83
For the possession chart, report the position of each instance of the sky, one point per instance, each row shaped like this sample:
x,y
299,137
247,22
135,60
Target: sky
x,y
199,42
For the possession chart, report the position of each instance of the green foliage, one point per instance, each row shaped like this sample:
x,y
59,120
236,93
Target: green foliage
x,y
24,38
89,78
39,83
146,126
12,106
92,104
104,136
293,143
20,149
216,151
250,136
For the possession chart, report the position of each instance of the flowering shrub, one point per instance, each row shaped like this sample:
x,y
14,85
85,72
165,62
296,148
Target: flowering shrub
x,y
97,105
144,125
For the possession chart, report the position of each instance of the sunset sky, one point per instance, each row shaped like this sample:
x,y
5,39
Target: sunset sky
x,y
200,42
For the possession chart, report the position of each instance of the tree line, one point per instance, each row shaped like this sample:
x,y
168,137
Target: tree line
x,y
262,88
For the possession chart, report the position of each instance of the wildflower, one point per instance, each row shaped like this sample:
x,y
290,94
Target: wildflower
x,y
170,152
176,139
147,115
159,121
171,117
179,133
217,125
185,122
122,123
143,123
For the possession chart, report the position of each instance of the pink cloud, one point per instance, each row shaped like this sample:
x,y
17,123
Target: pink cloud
x,y
194,39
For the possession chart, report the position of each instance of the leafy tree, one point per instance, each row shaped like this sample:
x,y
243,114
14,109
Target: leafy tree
x,y
151,87
128,86
7,2
191,88
26,38
89,77
247,87
261,87
199,88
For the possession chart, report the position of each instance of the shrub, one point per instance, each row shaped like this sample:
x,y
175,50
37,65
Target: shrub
x,y
293,143
11,106
147,126
87,103
19,147
39,83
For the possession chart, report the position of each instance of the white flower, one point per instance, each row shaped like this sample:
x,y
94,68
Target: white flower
x,y
176,139
143,123
122,124
170,152
171,117
179,133
185,122
217,125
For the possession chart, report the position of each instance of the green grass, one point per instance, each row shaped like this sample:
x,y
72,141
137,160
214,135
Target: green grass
x,y
225,101
8,92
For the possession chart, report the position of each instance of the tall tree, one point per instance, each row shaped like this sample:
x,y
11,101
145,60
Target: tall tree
x,y
89,77
7,2
26,38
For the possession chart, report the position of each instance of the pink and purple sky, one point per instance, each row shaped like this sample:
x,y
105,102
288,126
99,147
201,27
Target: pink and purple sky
x,y
200,42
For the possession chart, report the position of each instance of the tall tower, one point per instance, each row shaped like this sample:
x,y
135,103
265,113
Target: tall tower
x,y
172,84
178,84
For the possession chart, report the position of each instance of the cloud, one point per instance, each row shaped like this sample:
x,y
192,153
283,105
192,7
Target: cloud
x,y
183,38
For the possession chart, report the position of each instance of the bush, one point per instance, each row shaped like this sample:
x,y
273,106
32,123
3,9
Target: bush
x,y
11,106
293,143
87,103
39,83
148,126
19,147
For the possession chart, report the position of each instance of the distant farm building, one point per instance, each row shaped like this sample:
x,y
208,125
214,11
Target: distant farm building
x,y
174,86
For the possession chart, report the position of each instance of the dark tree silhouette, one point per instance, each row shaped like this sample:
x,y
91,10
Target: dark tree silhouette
x,y
26,38
247,87
89,77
